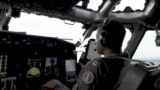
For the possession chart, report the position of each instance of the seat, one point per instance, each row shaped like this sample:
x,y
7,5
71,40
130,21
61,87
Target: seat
x,y
139,76
151,81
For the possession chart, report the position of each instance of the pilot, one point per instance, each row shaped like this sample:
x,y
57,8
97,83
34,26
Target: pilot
x,y
101,73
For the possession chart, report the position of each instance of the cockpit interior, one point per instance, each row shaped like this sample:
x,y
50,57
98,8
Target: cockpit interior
x,y
28,61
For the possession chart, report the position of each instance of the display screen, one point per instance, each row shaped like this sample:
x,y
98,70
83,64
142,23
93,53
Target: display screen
x,y
91,53
34,65
51,66
70,66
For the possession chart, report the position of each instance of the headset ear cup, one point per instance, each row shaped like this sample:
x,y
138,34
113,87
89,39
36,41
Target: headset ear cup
x,y
103,40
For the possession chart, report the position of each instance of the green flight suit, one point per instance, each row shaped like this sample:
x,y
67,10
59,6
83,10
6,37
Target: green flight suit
x,y
98,74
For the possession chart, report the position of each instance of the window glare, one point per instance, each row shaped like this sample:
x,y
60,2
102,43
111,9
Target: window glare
x,y
134,4
126,39
147,49
44,26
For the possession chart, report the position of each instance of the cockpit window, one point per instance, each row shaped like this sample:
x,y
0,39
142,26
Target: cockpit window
x,y
44,26
134,4
147,49
92,4
52,27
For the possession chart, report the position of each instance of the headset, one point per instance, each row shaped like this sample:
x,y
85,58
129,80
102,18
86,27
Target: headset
x,y
105,38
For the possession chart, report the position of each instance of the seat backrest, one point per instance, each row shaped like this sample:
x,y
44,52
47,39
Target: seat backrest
x,y
131,77
139,76
157,83
151,81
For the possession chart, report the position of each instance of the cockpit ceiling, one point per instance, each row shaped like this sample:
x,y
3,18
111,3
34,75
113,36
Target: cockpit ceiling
x,y
67,9
59,5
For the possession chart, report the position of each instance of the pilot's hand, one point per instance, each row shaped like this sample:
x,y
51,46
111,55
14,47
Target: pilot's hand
x,y
51,84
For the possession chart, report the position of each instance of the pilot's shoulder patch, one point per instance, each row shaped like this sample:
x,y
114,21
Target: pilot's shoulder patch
x,y
95,63
88,77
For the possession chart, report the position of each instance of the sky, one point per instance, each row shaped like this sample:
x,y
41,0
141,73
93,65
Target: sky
x,y
45,26
52,27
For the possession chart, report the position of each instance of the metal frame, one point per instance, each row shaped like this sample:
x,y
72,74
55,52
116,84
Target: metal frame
x,y
90,17
135,40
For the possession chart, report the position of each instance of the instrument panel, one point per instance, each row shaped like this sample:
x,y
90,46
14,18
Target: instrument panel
x,y
28,61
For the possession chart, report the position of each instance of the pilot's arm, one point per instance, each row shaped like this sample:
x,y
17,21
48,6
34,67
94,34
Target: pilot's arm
x,y
91,77
54,85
